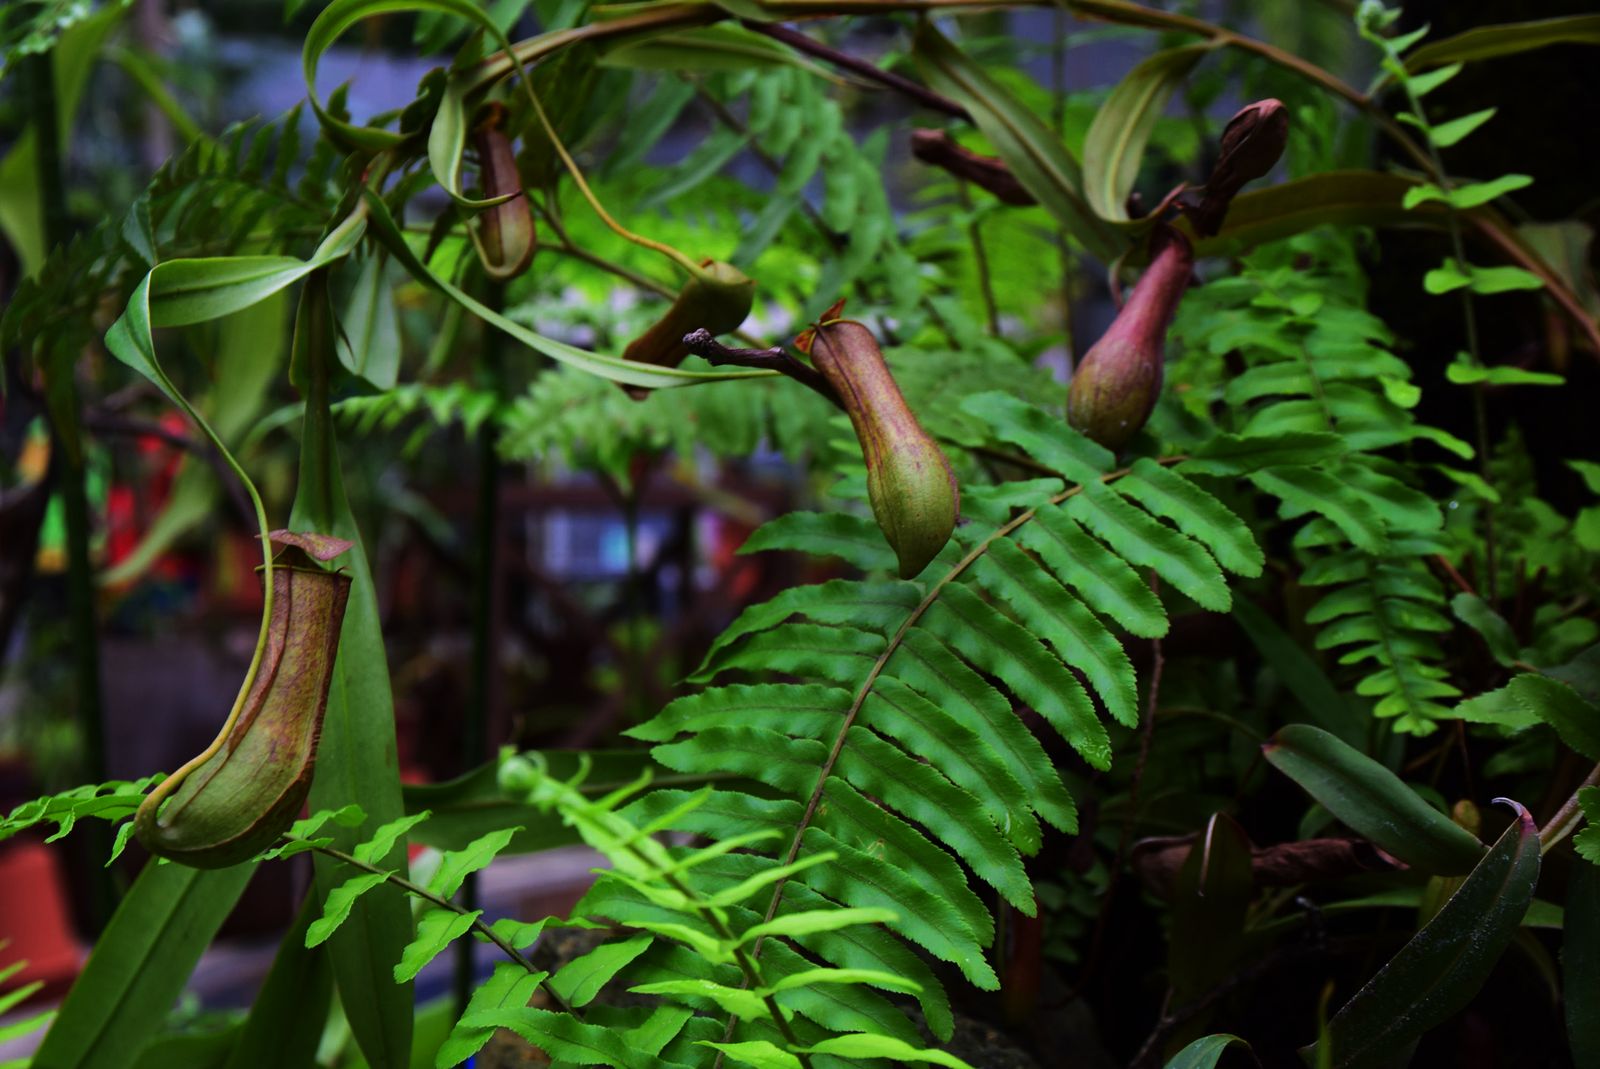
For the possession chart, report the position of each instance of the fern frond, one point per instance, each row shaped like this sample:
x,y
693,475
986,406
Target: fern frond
x,y
899,750
1318,370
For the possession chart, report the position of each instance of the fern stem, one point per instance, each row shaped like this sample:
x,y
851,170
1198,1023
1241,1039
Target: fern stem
x,y
444,903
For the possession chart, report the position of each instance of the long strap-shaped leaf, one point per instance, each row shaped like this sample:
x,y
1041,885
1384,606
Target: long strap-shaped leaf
x,y
356,760
1444,965
614,368
1122,127
139,967
1033,152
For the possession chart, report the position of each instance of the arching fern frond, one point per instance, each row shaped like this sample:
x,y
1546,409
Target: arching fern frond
x,y
894,738
1317,363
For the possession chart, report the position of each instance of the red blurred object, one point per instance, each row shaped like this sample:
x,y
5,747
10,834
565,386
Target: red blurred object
x,y
34,924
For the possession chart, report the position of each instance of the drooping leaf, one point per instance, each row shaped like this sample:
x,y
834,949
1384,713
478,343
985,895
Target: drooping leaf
x,y
140,965
1032,151
1205,1052
1505,39
1372,800
1443,966
1121,128
287,1016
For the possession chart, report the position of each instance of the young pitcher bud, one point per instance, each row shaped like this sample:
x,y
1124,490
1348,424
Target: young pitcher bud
x,y
717,298
503,233
1249,148
243,792
909,483
1116,385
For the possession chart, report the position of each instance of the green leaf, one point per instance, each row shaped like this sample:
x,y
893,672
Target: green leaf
x,y
1054,615
1506,39
369,335
853,539
873,1046
140,964
1372,801
1305,490
1473,611
1438,972
858,946
509,986
1420,85
1336,198
338,17
920,792
580,980
803,649
456,865
1196,513
436,929
629,372
936,673
1305,679
1032,151
1575,720
706,49
950,743
732,1000
1115,143
336,907
1463,372
1587,841
356,756
809,977
1205,1052
1144,541
1001,647
879,606
810,922
1467,195
1486,280
856,878
383,840
756,1052
1104,580
287,1016
1446,134
1046,438
562,1037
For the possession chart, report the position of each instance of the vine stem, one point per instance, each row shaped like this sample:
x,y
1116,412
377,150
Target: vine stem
x,y
882,662
690,14
1566,819
428,896
1480,415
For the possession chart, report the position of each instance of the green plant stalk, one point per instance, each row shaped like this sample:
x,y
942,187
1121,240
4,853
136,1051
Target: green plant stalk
x,y
1568,817
64,404
482,662
1480,413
